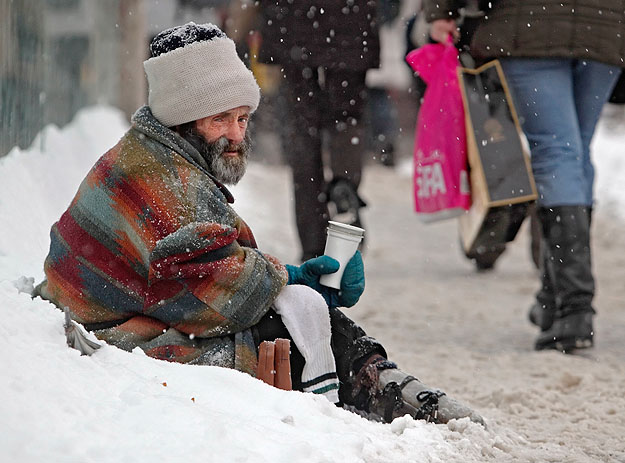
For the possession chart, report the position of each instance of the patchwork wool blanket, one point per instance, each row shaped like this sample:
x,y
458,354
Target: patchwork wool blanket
x,y
151,254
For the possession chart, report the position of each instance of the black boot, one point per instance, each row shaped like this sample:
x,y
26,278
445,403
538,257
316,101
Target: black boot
x,y
566,230
543,311
535,237
486,256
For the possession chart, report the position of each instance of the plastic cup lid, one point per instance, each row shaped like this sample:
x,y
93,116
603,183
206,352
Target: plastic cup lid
x,y
352,230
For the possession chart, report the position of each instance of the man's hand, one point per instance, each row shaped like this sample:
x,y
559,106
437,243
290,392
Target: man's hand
x,y
352,282
442,28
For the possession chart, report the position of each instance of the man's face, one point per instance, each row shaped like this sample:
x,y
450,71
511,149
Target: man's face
x,y
223,141
230,124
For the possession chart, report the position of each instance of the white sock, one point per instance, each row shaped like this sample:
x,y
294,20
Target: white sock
x,y
305,314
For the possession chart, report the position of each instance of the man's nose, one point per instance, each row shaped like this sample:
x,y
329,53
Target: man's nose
x,y
235,133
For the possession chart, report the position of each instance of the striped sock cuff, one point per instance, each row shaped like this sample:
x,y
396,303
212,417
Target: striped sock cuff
x,y
321,383
319,375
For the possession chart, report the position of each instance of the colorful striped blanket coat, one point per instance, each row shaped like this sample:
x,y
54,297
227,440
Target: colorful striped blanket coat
x,y
150,254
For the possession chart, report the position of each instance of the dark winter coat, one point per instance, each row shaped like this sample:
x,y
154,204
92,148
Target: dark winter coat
x,y
150,254
331,33
582,29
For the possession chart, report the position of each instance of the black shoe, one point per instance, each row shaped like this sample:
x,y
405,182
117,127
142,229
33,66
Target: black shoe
x,y
568,333
485,257
542,316
344,203
387,155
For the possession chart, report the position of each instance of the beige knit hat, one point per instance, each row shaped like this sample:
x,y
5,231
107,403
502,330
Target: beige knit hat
x,y
195,72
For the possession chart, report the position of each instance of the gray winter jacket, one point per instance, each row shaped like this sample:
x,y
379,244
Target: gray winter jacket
x,y
582,29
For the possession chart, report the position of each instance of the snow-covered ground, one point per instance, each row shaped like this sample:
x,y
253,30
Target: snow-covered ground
x,y
456,329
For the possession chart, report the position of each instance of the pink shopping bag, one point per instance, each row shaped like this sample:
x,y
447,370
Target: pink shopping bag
x,y
441,183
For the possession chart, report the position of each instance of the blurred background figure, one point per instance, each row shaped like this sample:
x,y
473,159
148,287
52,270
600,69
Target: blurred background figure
x,y
324,51
242,25
559,87
381,118
202,11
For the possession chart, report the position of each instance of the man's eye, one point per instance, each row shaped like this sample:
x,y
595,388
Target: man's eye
x,y
243,120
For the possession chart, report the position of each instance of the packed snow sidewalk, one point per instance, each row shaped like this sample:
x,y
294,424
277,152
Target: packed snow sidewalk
x,y
456,329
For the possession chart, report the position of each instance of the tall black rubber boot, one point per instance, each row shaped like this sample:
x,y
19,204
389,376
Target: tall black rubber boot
x,y
566,230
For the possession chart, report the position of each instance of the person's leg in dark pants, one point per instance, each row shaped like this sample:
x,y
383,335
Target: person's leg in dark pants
x,y
347,96
302,146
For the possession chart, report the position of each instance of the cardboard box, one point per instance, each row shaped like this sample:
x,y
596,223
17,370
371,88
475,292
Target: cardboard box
x,y
502,184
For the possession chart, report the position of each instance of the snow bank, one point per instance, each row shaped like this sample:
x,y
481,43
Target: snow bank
x,y
118,406
39,183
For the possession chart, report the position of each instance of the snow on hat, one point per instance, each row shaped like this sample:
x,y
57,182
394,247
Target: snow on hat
x,y
195,72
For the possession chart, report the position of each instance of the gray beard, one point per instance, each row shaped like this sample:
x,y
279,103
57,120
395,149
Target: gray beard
x,y
227,170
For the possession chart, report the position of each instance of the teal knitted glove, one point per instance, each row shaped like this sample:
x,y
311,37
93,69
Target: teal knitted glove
x,y
308,274
352,282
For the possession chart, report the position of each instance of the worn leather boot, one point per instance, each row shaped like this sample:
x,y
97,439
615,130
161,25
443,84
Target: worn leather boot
x,y
431,404
376,401
566,230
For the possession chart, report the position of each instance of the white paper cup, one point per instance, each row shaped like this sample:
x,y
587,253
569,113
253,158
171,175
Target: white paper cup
x,y
341,244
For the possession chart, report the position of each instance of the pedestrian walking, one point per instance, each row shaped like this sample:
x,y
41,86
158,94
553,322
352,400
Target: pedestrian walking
x,y
324,50
561,59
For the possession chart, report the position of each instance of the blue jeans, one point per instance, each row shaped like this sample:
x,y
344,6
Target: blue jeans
x,y
559,101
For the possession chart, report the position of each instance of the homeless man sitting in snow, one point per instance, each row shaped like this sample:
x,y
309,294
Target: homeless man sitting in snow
x,y
151,254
